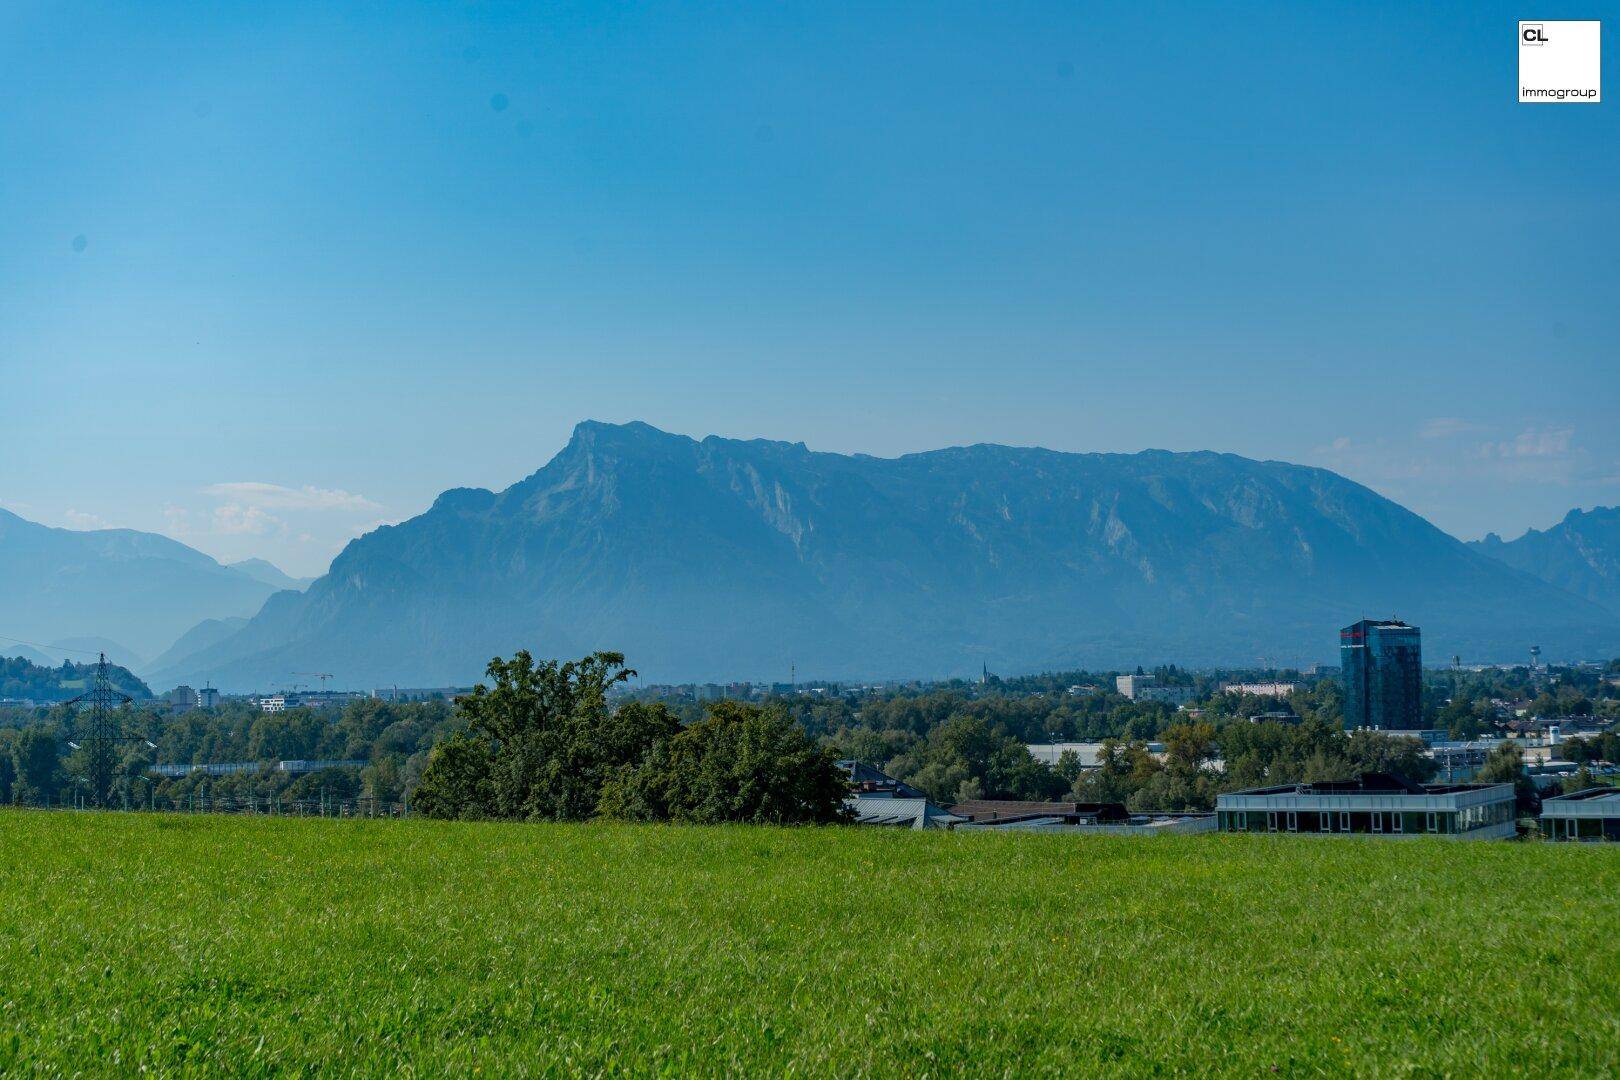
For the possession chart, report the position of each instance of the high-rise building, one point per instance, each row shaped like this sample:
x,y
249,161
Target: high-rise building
x,y
1383,675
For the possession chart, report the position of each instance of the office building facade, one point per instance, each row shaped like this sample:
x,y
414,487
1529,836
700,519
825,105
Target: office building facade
x,y
1383,675
1592,814
1376,804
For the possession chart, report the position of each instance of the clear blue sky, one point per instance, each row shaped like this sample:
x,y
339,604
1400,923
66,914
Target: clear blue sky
x,y
270,274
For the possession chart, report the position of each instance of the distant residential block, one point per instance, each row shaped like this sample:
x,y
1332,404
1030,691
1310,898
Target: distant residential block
x,y
876,798
1147,688
1260,689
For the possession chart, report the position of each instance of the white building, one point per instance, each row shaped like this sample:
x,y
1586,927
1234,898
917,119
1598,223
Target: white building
x,y
1260,689
1147,688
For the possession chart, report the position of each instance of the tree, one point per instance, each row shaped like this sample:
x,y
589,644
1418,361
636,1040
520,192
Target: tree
x,y
1372,751
1505,765
456,782
742,763
38,770
336,784
541,742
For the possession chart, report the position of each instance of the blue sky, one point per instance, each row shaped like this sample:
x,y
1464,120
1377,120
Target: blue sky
x,y
271,274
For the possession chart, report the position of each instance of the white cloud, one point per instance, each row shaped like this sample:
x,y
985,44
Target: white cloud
x,y
1532,443
75,519
233,519
255,493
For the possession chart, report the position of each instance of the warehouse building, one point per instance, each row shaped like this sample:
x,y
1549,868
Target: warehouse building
x,y
1376,804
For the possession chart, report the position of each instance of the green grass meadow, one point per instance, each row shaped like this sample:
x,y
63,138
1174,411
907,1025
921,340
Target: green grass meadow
x,y
255,946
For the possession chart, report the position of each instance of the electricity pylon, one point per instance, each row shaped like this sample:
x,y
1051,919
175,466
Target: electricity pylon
x,y
101,703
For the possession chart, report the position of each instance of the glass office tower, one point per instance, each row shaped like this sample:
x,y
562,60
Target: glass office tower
x,y
1383,675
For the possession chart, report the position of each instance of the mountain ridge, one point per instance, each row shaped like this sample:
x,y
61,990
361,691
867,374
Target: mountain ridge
x,y
1580,554
142,590
725,558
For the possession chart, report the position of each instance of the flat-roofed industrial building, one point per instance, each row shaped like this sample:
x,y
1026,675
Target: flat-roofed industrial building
x,y
1375,804
1592,814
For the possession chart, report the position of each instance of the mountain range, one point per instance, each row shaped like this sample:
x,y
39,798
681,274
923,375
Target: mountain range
x,y
1581,554
125,592
718,558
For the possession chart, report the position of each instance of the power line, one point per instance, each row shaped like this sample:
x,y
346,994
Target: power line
x,y
53,648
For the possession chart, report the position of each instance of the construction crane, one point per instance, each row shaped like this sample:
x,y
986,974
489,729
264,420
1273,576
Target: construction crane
x,y
321,675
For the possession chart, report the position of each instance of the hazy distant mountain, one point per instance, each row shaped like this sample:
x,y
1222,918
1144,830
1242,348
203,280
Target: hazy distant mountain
x,y
724,558
9,651
81,650
270,574
1580,554
208,633
140,589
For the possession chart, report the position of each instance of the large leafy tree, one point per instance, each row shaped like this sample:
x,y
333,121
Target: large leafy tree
x,y
742,763
541,741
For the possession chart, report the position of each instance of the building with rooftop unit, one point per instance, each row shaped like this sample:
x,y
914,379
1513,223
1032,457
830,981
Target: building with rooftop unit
x,y
1374,804
1592,814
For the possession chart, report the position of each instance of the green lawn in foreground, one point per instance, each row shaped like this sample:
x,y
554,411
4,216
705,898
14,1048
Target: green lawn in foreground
x,y
243,945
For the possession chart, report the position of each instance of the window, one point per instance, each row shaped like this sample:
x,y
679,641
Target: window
x,y
1396,822
1377,821
1431,824
1327,821
1344,821
1293,822
1271,821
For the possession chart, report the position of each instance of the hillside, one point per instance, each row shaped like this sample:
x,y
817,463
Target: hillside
x,y
204,635
447,949
1581,554
20,678
723,559
136,589
269,573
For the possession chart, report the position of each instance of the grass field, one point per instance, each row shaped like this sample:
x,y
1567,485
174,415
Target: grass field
x,y
255,946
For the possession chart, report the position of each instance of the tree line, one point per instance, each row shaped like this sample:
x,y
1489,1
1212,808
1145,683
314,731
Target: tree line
x,y
567,741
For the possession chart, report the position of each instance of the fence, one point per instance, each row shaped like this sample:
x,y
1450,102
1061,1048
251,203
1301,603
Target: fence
x,y
266,806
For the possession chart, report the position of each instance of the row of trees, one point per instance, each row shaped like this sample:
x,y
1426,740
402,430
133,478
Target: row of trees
x,y
548,741
39,766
